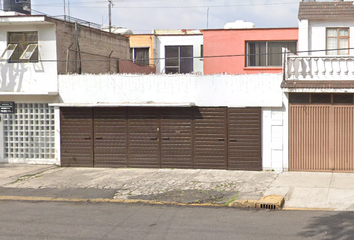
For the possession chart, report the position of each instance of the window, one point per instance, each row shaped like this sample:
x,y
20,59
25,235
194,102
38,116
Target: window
x,y
267,53
140,56
337,41
22,47
320,98
179,59
27,54
8,51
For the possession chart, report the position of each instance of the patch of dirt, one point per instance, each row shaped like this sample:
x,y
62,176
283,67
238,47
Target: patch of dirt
x,y
189,196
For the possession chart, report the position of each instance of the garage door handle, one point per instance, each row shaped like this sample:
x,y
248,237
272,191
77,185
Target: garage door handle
x,y
153,138
232,140
99,138
221,139
88,138
165,138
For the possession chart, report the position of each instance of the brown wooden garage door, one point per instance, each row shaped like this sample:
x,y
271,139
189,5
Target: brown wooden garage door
x,y
176,137
245,139
76,137
143,137
213,138
109,137
321,138
210,138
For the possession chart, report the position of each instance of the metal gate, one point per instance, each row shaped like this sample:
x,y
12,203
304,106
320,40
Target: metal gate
x,y
245,139
76,137
109,137
176,134
321,138
143,137
212,138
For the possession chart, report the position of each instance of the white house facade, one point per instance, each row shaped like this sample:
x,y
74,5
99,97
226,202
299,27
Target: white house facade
x,y
31,57
179,53
28,135
319,85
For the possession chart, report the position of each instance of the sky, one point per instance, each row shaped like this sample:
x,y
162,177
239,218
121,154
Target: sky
x,y
142,16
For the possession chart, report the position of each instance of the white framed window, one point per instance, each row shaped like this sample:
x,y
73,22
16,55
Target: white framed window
x,y
337,41
267,53
27,46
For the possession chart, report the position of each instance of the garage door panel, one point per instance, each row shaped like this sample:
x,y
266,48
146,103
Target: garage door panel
x,y
76,137
309,135
210,138
244,130
210,144
143,137
110,137
344,138
176,137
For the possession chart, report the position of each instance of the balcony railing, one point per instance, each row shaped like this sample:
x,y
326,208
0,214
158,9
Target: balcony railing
x,y
318,67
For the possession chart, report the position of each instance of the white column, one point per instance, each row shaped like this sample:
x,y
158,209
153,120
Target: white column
x,y
286,132
2,152
57,135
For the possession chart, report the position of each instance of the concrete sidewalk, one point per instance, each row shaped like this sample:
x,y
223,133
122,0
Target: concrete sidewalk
x,y
300,189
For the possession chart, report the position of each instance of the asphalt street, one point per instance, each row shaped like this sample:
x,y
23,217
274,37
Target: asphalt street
x,y
52,220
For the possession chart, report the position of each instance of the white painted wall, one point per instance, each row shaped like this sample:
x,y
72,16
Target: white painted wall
x,y
255,90
181,40
303,42
275,137
33,78
312,35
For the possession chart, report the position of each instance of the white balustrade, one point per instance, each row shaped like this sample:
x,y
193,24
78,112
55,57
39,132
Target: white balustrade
x,y
319,67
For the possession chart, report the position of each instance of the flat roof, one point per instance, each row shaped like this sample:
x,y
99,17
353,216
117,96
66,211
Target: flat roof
x,y
247,29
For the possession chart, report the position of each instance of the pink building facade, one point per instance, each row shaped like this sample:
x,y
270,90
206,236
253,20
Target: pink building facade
x,y
246,51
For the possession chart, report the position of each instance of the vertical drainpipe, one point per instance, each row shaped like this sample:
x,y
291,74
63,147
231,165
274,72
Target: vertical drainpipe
x,y
109,62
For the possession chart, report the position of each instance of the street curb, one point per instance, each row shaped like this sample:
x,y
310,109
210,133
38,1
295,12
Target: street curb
x,y
234,204
308,209
267,202
104,200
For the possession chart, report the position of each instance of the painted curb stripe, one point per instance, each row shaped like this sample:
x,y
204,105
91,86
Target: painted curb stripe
x,y
108,200
104,200
307,209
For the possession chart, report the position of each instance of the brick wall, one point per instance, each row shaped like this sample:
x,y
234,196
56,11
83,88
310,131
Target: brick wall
x,y
97,51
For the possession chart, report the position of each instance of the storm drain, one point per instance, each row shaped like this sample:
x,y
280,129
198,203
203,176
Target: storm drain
x,y
266,206
270,202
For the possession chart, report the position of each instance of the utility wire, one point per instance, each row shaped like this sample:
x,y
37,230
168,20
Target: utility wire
x,y
200,57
